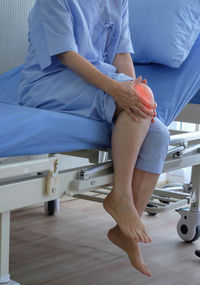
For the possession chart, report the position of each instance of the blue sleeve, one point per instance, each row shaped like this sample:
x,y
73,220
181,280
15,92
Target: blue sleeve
x,y
51,30
125,43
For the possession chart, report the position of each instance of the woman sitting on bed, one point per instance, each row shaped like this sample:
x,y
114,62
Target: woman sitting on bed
x,y
79,62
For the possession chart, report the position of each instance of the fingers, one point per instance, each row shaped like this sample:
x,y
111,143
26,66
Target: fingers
x,y
154,112
140,113
144,81
137,80
148,112
133,116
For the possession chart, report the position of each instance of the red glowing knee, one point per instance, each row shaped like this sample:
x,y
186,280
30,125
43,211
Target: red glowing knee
x,y
145,94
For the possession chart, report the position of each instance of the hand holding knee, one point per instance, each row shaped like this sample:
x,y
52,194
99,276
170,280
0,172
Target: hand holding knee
x,y
127,99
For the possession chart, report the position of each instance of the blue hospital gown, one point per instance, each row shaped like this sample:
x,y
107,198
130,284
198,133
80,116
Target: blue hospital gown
x,y
97,30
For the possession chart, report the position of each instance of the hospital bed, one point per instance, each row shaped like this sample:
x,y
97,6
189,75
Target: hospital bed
x,y
32,142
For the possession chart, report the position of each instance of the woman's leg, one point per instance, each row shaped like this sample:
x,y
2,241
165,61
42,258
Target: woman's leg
x,y
127,139
143,185
149,164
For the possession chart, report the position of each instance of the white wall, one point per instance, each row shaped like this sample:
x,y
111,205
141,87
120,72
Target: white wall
x,y
13,32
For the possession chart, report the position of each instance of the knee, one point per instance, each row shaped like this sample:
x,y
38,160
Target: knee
x,y
127,118
160,135
154,149
165,135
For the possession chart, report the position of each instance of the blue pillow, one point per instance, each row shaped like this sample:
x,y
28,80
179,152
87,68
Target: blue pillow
x,y
163,31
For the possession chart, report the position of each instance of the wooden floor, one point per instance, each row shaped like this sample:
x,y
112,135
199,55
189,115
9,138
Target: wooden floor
x,y
71,248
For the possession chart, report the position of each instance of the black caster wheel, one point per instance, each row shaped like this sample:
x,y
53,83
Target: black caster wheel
x,y
197,235
152,206
183,230
51,207
188,227
197,252
164,202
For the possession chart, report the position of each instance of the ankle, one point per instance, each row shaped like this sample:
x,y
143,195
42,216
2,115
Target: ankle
x,y
118,197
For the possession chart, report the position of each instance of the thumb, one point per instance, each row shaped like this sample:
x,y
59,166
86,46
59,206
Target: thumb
x,y
138,79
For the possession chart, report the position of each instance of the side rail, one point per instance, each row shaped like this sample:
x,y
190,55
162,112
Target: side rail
x,y
184,151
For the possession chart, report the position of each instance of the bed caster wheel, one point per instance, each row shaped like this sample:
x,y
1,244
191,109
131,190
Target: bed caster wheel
x,y
197,252
188,227
52,207
164,202
151,206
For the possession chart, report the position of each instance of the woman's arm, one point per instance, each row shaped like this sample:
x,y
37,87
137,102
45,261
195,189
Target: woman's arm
x,y
124,64
122,92
88,72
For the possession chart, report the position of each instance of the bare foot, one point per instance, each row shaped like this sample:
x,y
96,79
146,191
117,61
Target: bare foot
x,y
130,247
125,214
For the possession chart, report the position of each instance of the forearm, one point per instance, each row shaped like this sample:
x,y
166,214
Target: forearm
x,y
87,71
124,64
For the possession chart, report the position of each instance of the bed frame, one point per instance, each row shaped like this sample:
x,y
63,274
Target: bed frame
x,y
38,181
34,181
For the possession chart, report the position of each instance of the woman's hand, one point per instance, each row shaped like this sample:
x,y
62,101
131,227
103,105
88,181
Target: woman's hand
x,y
122,92
155,104
127,99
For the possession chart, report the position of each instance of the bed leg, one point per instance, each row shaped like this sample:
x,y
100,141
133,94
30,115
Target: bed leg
x,y
4,249
196,187
188,227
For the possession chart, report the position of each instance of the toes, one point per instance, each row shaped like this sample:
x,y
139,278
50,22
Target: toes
x,y
148,273
144,270
138,236
147,237
134,236
141,236
131,236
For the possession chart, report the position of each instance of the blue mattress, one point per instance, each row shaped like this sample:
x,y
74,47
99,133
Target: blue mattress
x,y
25,131
29,131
